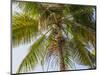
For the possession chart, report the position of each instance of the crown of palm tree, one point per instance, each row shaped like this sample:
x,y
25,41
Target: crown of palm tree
x,y
63,31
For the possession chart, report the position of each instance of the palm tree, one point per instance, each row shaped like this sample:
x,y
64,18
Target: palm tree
x,y
61,31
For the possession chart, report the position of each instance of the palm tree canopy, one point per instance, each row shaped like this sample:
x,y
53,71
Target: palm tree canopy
x,y
74,24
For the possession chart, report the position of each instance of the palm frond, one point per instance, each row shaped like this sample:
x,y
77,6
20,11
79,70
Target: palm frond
x,y
36,53
30,8
32,58
93,58
83,33
85,17
23,28
68,58
80,54
81,36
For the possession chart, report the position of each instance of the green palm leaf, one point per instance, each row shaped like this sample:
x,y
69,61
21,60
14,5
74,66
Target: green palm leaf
x,y
85,17
79,37
81,31
30,8
23,28
81,54
32,58
36,53
68,57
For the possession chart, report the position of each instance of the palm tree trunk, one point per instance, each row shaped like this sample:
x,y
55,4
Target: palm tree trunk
x,y
62,64
60,42
60,51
